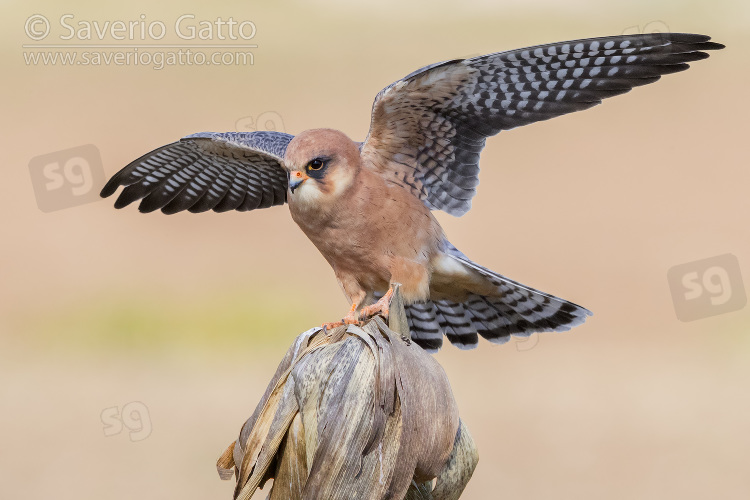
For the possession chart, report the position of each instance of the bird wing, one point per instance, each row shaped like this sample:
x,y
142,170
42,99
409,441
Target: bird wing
x,y
428,129
207,171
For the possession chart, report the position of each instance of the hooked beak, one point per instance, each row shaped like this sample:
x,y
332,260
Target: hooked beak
x,y
295,179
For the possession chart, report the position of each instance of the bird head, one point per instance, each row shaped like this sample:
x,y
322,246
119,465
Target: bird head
x,y
322,164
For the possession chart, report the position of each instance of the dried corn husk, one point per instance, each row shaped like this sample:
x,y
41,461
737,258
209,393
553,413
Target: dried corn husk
x,y
354,413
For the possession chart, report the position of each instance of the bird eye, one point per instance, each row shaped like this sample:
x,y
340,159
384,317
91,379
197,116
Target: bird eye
x,y
316,164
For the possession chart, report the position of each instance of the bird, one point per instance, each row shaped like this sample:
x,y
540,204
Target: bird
x,y
369,206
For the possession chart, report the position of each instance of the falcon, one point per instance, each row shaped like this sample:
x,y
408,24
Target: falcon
x,y
368,206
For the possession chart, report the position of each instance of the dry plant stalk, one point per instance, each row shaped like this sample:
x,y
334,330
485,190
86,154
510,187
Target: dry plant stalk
x,y
354,413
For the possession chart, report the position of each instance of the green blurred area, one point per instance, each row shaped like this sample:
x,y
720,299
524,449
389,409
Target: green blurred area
x,y
135,324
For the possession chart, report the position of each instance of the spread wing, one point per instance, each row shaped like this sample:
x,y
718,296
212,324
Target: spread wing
x,y
428,129
207,171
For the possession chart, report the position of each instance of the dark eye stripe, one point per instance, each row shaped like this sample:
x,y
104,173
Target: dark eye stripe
x,y
317,167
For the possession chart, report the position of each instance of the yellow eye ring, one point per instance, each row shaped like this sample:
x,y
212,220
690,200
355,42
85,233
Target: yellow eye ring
x,y
315,164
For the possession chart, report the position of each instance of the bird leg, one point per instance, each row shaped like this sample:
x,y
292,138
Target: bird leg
x,y
349,319
380,307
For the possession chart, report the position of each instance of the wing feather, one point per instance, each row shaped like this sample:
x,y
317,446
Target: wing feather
x,y
207,171
428,129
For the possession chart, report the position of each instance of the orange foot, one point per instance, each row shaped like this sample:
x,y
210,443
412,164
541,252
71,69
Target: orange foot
x,y
349,319
380,307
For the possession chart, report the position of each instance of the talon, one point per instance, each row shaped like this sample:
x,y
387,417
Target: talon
x,y
381,307
351,316
349,319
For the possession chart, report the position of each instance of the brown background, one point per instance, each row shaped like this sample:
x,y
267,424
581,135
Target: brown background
x,y
189,313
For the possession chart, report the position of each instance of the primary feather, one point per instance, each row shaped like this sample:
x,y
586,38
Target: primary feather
x,y
428,129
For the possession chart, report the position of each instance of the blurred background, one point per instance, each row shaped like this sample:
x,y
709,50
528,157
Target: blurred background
x,y
133,347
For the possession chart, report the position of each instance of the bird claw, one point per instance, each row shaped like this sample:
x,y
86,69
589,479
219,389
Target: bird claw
x,y
332,325
381,307
349,319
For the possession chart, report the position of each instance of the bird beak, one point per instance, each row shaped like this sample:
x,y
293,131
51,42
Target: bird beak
x,y
295,179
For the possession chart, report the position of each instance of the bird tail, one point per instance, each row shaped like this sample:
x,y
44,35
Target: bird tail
x,y
512,309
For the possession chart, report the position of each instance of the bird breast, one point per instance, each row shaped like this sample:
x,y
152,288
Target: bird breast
x,y
371,230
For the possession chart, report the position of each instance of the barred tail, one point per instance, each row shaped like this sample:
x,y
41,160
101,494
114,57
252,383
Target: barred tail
x,y
514,309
